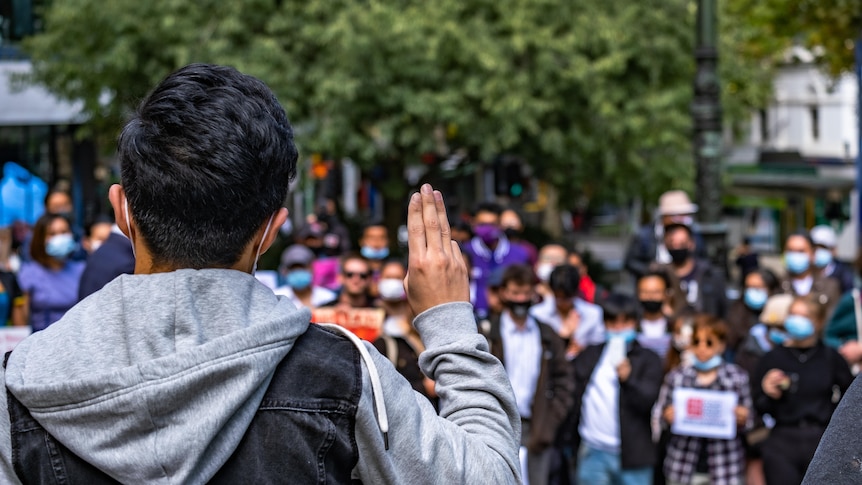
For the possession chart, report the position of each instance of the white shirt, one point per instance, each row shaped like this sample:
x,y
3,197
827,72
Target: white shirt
x,y
319,295
600,417
654,336
522,353
591,329
803,286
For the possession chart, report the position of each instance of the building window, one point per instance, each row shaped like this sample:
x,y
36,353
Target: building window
x,y
764,126
815,122
20,18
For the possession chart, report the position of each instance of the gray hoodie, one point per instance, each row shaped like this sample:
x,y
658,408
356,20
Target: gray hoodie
x,y
155,378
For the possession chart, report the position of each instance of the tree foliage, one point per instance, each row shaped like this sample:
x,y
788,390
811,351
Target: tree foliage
x,y
595,94
829,26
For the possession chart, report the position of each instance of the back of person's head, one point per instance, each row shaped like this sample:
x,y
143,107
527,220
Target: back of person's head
x,y
617,304
519,275
565,279
206,161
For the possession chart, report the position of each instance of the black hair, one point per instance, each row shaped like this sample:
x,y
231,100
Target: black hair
x,y
803,234
617,304
206,160
769,279
99,219
463,226
660,273
670,228
57,190
374,223
491,207
519,274
565,279
344,258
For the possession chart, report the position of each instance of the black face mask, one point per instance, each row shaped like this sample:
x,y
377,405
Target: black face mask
x,y
679,256
512,233
651,306
519,309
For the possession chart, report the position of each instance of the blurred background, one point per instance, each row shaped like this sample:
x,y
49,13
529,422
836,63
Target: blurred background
x,y
577,114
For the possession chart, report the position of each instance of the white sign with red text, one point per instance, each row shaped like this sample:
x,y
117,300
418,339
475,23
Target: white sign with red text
x,y
704,413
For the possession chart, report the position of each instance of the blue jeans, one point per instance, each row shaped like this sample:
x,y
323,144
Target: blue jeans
x,y
597,467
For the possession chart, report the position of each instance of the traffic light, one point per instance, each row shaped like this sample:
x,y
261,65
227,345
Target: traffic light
x,y
510,179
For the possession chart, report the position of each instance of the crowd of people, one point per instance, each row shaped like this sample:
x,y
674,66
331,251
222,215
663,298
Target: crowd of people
x,y
594,372
172,373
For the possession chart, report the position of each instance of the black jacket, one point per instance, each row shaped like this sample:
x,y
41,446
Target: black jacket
x,y
637,397
113,258
553,397
641,252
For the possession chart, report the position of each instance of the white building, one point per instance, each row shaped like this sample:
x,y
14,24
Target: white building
x,y
797,166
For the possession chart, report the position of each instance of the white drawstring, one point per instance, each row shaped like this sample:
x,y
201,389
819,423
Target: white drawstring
x,y
376,386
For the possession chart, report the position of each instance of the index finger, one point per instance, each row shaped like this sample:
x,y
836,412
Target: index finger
x,y
416,245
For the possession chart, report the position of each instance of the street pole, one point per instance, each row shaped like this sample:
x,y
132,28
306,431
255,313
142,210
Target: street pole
x,y
858,220
706,113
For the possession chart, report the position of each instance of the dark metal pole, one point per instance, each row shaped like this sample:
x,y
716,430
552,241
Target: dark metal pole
x,y
706,112
859,139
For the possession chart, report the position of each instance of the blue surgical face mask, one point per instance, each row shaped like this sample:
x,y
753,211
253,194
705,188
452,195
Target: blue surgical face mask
x,y
822,257
60,246
798,327
797,262
777,336
629,335
371,253
755,298
299,279
706,366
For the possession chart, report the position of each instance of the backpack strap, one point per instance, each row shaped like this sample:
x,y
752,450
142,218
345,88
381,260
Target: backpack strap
x,y
376,386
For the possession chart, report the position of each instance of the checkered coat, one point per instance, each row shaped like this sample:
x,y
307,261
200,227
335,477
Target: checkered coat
x,y
726,458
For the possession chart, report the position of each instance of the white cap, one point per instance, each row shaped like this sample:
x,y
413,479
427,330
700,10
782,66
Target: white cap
x,y
824,236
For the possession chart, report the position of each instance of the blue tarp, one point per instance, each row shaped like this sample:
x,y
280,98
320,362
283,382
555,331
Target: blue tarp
x,y
22,195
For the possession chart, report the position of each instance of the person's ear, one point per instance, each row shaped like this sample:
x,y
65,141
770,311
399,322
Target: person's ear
x,y
117,197
277,221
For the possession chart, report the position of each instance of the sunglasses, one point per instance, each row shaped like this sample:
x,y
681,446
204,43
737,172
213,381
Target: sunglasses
x,y
351,274
708,342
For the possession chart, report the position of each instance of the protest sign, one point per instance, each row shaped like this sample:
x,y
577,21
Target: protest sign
x,y
366,323
11,336
704,413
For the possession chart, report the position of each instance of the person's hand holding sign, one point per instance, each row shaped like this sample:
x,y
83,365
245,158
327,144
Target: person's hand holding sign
x,y
436,272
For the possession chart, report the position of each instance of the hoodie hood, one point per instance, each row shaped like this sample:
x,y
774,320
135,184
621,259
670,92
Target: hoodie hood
x,y
155,378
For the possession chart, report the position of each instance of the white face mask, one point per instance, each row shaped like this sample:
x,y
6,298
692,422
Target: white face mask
x,y
544,270
391,289
129,225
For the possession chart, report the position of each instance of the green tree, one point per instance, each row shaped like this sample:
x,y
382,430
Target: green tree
x,y
595,94
830,26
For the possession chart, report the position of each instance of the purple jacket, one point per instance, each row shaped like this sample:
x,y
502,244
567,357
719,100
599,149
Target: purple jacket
x,y
486,262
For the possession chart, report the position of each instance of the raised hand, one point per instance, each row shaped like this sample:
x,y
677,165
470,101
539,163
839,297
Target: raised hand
x,y
436,272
